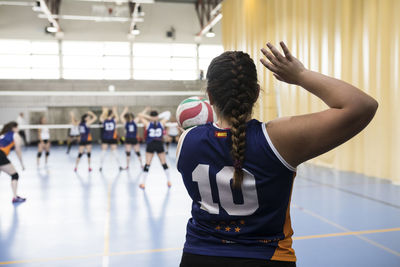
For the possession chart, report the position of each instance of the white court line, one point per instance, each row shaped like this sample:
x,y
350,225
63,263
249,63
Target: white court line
x,y
358,235
106,252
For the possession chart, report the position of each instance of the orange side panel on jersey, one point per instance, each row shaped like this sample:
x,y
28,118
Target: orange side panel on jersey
x,y
7,148
89,137
284,251
115,135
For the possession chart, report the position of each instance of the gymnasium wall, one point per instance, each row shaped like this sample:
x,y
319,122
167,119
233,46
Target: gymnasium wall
x,y
357,41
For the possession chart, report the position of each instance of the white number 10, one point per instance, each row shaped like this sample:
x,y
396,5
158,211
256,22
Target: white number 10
x,y
223,179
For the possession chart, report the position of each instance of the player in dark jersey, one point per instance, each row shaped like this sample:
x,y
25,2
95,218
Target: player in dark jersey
x,y
154,143
239,172
109,118
10,139
85,141
130,122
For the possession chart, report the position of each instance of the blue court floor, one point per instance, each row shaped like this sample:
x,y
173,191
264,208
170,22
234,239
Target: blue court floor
x,y
104,219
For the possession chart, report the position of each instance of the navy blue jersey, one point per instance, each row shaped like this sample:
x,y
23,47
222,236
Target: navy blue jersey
x,y
253,222
84,131
155,132
109,130
7,142
131,129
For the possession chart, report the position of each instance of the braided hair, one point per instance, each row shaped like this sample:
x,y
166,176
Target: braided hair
x,y
233,88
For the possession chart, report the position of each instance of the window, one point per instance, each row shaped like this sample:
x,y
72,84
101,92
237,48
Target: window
x,y
24,59
164,61
207,53
21,59
96,60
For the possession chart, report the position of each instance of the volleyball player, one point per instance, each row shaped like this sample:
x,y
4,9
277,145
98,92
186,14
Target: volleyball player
x,y
9,139
73,135
130,122
154,143
44,141
85,142
240,172
109,118
172,134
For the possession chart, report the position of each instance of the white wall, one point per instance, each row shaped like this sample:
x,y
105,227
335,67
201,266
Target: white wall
x,y
20,22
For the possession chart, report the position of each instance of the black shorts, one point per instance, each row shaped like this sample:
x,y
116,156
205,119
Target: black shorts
x,y
192,260
74,136
85,143
3,158
45,141
155,146
131,141
109,141
173,138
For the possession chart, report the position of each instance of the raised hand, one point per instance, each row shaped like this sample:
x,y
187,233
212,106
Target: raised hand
x,y
285,68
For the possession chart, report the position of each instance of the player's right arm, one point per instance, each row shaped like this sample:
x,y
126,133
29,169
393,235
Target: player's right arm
x,y
144,118
73,119
103,115
40,134
300,138
92,119
122,116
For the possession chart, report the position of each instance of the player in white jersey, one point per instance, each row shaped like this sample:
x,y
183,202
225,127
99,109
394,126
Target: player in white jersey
x,y
44,141
74,134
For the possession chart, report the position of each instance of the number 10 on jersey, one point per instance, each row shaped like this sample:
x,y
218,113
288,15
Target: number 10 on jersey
x,y
223,180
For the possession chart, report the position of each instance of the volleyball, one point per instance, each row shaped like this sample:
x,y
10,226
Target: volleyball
x,y
194,111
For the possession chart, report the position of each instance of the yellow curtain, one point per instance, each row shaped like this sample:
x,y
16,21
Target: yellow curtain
x,y
354,40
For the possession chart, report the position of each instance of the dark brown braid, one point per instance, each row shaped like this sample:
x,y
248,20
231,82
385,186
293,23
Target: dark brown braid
x,y
233,88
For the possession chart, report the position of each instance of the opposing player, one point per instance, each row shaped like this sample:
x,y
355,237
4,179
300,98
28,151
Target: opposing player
x,y
73,135
173,133
154,143
130,122
109,118
44,141
240,172
9,139
85,142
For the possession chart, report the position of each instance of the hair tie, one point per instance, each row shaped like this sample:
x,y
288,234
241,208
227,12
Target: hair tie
x,y
237,165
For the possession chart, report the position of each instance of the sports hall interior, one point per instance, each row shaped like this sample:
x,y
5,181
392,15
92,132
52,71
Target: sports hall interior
x,y
58,57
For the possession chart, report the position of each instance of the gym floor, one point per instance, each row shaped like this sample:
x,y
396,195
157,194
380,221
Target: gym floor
x,y
104,219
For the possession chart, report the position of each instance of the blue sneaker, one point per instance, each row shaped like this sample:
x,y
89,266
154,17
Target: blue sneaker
x,y
18,200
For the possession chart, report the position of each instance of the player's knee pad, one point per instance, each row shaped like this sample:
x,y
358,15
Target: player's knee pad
x,y
39,154
80,155
165,166
146,168
138,154
88,154
128,153
47,154
15,176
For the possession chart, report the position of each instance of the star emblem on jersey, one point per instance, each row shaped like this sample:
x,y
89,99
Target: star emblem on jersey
x,y
218,228
237,229
227,228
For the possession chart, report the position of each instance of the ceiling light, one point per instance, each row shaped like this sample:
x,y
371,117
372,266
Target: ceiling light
x,y
36,7
51,29
210,33
135,30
